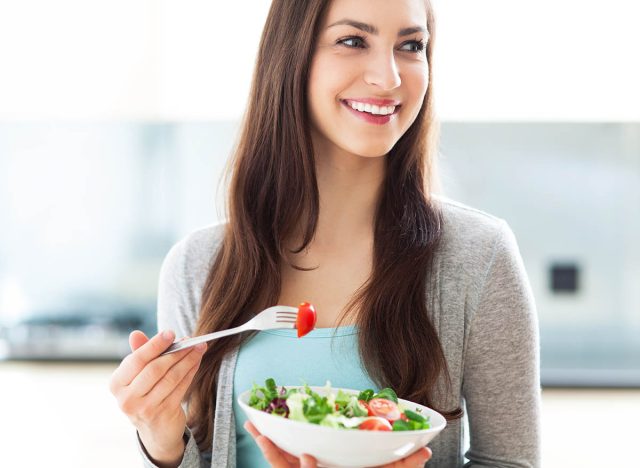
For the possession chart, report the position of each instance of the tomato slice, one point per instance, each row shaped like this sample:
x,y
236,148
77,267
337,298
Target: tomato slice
x,y
306,318
366,405
384,408
375,423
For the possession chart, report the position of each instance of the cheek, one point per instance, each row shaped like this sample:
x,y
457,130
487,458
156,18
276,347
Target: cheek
x,y
417,79
416,82
327,79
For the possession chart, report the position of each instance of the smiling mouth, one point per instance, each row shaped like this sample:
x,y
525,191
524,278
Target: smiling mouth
x,y
369,117
347,105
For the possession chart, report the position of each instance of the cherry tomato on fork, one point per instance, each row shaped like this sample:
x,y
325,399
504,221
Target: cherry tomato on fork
x,y
306,319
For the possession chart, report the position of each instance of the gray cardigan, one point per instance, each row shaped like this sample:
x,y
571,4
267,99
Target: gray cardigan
x,y
483,308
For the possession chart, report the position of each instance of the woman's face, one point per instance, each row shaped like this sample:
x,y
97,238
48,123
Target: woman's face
x,y
369,53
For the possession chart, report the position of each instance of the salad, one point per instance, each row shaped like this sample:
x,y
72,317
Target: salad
x,y
367,411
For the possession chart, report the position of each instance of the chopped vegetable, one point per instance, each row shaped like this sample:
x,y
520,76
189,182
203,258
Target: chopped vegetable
x,y
366,411
385,409
375,423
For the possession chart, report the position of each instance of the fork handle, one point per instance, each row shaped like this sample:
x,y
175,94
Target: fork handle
x,y
178,345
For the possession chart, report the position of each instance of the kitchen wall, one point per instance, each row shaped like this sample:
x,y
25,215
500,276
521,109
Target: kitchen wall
x,y
91,209
571,193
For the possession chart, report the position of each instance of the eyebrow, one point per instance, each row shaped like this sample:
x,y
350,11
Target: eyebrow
x,y
373,30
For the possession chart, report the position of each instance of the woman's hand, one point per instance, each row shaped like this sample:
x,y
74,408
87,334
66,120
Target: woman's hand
x,y
150,388
278,458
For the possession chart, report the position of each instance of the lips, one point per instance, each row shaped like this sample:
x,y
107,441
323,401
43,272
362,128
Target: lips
x,y
345,102
370,118
375,101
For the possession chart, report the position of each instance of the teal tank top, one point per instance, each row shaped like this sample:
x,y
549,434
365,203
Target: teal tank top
x,y
323,354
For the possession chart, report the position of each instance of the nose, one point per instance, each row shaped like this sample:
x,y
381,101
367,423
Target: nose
x,y
382,71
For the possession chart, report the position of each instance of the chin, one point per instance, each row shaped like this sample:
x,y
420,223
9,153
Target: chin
x,y
370,150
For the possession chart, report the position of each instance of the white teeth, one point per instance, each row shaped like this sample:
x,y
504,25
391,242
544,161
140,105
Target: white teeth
x,y
372,109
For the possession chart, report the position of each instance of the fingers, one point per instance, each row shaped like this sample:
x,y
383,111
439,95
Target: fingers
x,y
251,429
164,367
271,453
133,364
417,459
175,398
157,388
307,461
137,339
269,449
175,375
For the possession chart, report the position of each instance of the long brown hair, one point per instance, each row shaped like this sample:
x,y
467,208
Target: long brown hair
x,y
273,193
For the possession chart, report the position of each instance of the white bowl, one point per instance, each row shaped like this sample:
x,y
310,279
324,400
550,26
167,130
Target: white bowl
x,y
342,448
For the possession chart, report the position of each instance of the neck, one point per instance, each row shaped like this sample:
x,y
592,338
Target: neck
x,y
349,188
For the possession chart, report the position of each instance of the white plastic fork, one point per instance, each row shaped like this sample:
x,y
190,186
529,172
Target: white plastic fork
x,y
271,318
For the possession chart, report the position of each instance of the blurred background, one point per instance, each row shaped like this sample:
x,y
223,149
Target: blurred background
x,y
117,119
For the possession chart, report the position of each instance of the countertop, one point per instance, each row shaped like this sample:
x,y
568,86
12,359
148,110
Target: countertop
x,y
63,415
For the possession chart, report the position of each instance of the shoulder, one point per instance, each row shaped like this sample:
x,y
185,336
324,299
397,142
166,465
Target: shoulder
x,y
196,250
476,248
479,256
183,275
469,233
186,266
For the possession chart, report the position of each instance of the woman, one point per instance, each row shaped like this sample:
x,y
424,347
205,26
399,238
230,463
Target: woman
x,y
331,201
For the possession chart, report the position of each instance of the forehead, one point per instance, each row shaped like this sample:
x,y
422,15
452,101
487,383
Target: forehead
x,y
381,13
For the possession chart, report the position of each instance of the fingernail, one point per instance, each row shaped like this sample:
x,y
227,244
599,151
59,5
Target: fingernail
x,y
200,347
305,462
167,335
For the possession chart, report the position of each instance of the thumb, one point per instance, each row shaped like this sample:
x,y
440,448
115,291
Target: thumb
x,y
307,461
137,339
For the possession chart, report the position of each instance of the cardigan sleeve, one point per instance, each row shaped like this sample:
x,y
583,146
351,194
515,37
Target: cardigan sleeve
x,y
501,379
178,303
191,458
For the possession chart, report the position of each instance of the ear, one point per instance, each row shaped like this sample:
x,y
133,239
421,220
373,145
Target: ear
x,y
137,339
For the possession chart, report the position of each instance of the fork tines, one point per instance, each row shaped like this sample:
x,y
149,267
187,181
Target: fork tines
x,y
286,317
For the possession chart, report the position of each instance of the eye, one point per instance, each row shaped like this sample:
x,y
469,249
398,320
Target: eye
x,y
358,42
416,46
352,42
